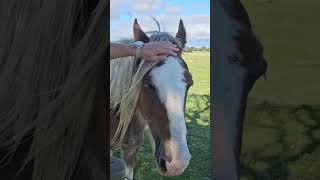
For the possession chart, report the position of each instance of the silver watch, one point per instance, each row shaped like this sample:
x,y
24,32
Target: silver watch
x,y
139,45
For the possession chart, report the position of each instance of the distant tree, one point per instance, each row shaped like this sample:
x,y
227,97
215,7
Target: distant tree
x,y
187,49
192,48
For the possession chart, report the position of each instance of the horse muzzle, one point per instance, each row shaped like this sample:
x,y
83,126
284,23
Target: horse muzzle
x,y
175,167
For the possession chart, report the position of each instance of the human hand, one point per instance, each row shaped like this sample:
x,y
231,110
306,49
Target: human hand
x,y
156,51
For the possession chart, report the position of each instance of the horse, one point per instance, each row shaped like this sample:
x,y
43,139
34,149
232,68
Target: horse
x,y
154,94
238,63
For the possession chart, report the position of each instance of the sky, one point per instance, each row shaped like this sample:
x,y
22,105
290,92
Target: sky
x,y
195,15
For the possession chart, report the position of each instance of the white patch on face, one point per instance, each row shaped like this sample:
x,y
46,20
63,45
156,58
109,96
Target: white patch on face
x,y
168,79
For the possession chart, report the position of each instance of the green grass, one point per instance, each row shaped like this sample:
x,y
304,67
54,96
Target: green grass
x,y
282,126
197,117
199,65
281,141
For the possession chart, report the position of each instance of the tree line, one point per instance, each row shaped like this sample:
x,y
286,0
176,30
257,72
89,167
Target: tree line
x,y
191,49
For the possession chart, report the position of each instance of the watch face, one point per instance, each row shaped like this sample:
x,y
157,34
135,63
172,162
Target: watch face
x,y
139,43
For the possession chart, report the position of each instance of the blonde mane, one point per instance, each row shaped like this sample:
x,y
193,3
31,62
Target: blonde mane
x,y
125,83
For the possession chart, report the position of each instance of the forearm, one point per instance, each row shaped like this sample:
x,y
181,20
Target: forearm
x,y
118,50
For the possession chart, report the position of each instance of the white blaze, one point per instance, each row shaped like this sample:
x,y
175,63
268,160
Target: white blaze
x,y
171,87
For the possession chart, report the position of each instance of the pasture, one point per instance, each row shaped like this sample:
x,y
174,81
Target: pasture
x,y
197,117
282,126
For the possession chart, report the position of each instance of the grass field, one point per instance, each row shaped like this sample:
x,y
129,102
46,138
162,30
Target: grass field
x,y
197,117
282,127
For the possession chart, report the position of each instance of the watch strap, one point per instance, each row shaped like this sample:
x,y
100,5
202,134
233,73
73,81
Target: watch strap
x,y
138,45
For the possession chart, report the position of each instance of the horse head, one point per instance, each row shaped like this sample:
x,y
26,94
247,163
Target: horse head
x,y
162,103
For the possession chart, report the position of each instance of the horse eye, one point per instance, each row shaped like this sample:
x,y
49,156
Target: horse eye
x,y
149,85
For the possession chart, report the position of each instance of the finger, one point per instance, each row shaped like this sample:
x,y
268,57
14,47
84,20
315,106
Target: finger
x,y
174,45
160,58
168,52
174,48
169,45
173,53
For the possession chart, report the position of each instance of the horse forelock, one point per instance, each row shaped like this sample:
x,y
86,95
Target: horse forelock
x,y
165,37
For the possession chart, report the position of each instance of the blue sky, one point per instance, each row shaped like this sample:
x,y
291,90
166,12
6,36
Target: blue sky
x,y
194,13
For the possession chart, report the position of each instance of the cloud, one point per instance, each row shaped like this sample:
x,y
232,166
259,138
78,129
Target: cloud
x,y
173,10
146,6
197,26
116,6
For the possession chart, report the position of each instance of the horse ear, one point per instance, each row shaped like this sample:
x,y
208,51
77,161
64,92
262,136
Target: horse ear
x,y
181,34
139,35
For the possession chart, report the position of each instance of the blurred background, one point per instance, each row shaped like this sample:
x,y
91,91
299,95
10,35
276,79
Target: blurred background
x,y
282,125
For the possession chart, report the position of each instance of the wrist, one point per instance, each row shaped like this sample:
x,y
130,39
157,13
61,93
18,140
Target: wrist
x,y
138,49
132,50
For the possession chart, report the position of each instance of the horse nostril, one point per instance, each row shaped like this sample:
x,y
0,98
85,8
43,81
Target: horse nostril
x,y
162,164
